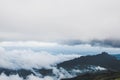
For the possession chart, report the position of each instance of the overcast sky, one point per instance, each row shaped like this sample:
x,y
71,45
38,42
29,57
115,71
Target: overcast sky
x,y
59,19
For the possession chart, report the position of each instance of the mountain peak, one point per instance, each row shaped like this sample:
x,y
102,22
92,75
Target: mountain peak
x,y
104,53
106,56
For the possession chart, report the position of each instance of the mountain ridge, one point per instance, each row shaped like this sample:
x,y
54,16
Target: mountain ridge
x,y
103,60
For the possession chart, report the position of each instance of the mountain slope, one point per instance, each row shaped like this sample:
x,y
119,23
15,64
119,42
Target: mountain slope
x,y
103,60
98,76
72,68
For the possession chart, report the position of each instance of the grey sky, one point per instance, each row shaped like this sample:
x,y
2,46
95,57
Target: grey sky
x,y
59,19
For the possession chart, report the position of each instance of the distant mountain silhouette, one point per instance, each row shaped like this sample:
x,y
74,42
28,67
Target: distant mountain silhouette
x,y
24,72
103,60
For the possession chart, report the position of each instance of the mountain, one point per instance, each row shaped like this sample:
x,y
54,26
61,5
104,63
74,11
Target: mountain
x,y
91,65
97,76
103,60
109,62
24,72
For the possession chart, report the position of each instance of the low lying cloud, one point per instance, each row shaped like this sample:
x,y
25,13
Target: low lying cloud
x,y
27,59
33,54
27,55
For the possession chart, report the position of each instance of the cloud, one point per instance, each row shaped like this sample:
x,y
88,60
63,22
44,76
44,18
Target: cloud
x,y
27,43
95,42
59,20
28,55
27,59
107,43
34,54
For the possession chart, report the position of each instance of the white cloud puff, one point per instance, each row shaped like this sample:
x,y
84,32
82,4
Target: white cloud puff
x,y
28,59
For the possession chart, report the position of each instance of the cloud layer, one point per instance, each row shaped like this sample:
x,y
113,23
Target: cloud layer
x,y
28,55
27,59
59,20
